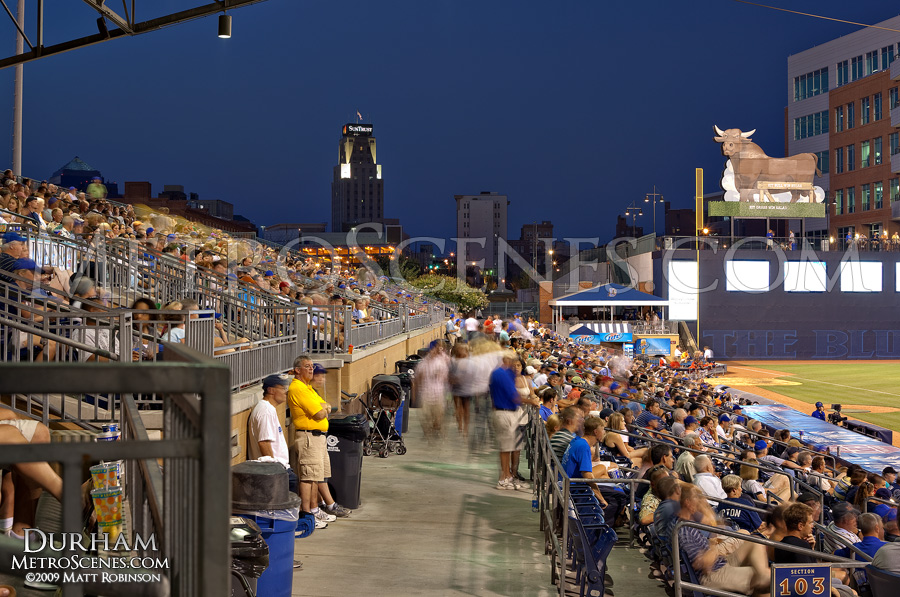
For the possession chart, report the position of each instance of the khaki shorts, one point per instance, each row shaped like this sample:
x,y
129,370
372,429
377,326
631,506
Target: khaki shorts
x,y
737,579
313,462
506,429
26,426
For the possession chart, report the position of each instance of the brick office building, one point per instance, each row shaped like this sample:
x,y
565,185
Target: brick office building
x,y
862,140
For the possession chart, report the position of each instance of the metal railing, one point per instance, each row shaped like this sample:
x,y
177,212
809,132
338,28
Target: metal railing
x,y
679,585
185,502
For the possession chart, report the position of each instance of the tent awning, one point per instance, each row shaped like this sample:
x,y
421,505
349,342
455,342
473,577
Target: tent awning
x,y
606,295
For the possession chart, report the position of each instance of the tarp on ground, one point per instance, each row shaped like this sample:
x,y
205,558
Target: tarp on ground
x,y
865,451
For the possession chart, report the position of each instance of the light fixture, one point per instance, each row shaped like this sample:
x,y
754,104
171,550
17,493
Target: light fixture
x,y
225,26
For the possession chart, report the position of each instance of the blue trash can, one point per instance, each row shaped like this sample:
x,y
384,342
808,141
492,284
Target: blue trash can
x,y
277,580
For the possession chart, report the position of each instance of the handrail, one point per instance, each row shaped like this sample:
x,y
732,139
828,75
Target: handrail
x,y
679,584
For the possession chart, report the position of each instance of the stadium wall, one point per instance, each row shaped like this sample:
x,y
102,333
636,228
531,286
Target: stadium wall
x,y
848,320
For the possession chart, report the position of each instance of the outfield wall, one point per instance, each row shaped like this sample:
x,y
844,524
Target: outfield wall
x,y
791,305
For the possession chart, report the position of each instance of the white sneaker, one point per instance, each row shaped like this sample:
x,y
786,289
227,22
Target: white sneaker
x,y
321,524
505,484
325,516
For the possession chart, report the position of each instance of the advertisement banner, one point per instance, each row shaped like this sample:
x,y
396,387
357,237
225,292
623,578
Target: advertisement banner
x,y
653,347
735,209
585,335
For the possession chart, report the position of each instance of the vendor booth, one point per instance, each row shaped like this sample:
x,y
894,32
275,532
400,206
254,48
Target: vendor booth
x,y
610,313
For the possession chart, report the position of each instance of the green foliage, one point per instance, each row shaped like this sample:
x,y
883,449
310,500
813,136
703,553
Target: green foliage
x,y
451,290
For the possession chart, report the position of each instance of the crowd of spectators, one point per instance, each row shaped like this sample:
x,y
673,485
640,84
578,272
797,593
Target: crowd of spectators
x,y
609,417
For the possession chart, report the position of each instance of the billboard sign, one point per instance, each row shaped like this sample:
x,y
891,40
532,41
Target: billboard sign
x,y
357,130
759,186
585,335
653,347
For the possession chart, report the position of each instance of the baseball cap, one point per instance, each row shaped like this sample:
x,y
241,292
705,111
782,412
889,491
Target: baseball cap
x,y
807,496
883,493
737,407
72,189
605,413
792,450
319,369
889,471
891,515
577,379
723,418
269,273
24,263
818,404
760,445
275,380
149,230
690,420
13,237
614,385
529,370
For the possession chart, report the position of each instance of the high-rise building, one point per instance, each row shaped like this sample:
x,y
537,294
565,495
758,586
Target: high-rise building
x,y
357,190
481,217
840,101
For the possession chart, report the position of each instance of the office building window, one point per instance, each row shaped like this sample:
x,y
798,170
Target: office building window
x,y
811,125
894,143
843,73
838,201
864,196
893,98
877,106
851,158
871,62
856,68
839,119
876,151
839,160
879,195
811,84
851,115
895,189
865,110
887,56
864,156
822,164
851,199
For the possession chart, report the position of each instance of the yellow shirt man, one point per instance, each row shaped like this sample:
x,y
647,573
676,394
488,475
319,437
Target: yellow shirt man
x,y
305,403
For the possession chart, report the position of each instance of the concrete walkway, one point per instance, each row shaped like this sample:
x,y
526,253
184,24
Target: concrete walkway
x,y
432,523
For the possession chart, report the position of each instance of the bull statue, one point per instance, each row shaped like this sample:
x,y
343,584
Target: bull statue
x,y
751,165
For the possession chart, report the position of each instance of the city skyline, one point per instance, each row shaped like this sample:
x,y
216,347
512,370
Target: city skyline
x,y
572,129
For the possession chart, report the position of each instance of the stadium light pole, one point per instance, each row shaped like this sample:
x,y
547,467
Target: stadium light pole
x,y
634,211
657,198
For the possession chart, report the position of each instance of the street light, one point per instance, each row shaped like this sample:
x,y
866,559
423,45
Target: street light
x,y
657,198
634,211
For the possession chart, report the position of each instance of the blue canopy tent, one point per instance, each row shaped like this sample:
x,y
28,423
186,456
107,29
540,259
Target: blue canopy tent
x,y
605,295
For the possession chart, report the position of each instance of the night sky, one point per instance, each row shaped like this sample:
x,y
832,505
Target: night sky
x,y
573,109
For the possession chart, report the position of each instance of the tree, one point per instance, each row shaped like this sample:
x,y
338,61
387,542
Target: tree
x,y
451,290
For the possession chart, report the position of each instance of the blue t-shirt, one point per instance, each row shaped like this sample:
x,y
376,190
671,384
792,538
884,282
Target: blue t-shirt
x,y
819,414
503,389
868,545
577,458
745,519
545,413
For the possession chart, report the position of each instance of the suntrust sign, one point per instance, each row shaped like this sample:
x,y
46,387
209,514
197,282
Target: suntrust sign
x,y
357,130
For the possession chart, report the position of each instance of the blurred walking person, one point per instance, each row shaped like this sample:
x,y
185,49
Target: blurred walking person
x,y
432,386
462,385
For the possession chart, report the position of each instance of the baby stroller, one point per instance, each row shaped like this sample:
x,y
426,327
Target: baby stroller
x,y
385,413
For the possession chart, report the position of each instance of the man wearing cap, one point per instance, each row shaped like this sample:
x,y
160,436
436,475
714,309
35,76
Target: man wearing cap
x,y
819,413
97,190
723,429
266,436
13,248
310,416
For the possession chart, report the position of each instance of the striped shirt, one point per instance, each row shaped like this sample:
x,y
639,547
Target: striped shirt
x,y
560,441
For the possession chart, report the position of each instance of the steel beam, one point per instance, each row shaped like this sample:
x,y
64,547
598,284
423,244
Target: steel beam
x,y
124,28
110,14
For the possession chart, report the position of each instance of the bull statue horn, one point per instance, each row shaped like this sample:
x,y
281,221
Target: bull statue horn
x,y
747,134
719,131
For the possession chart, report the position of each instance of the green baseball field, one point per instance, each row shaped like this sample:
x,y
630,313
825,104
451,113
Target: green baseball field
x,y
868,391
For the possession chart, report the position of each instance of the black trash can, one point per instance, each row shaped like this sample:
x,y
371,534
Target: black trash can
x,y
346,434
249,557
